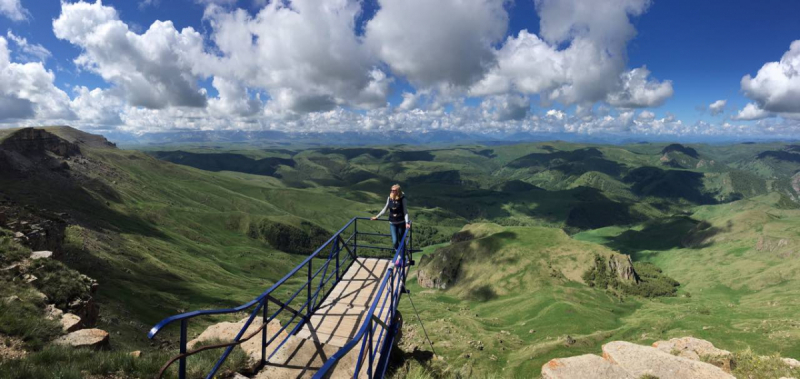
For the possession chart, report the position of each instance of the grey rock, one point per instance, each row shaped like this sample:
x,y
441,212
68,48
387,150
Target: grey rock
x,y
588,366
643,360
92,338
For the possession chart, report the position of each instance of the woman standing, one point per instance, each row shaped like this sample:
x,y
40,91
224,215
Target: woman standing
x,y
398,214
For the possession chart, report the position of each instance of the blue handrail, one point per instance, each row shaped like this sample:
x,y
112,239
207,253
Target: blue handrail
x,y
307,308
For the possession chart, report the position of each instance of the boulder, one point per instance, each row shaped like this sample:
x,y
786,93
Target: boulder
x,y
226,332
41,254
588,366
643,360
92,338
793,363
697,349
70,322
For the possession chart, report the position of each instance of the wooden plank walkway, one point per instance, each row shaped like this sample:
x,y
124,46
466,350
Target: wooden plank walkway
x,y
333,325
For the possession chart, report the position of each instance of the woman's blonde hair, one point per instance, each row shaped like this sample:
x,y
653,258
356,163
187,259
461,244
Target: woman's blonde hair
x,y
398,194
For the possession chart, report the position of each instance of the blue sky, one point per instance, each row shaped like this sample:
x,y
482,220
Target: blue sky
x,y
480,66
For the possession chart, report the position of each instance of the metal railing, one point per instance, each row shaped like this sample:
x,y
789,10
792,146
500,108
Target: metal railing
x,y
341,254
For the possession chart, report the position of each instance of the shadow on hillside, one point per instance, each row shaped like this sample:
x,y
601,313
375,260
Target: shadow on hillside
x,y
669,184
576,162
70,194
666,234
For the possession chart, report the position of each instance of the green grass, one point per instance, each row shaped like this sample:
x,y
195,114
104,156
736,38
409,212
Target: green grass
x,y
162,239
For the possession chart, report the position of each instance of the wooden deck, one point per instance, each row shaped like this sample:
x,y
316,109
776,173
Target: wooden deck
x,y
333,325
338,318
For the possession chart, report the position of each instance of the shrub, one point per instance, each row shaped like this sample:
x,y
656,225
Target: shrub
x,y
653,282
291,239
60,283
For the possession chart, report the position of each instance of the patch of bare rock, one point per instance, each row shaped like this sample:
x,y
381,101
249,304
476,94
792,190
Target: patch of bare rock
x,y
92,338
678,358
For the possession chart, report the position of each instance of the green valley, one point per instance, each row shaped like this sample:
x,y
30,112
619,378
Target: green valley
x,y
531,251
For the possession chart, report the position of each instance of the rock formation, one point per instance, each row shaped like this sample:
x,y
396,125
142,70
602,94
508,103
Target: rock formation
x,y
92,338
625,360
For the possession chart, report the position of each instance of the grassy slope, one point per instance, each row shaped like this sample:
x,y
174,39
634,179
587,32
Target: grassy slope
x,y
740,297
510,299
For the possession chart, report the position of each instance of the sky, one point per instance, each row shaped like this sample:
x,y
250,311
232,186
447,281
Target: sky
x,y
706,70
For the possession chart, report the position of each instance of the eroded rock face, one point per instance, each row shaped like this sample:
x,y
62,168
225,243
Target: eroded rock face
x,y
622,265
583,366
440,270
35,141
697,349
643,360
91,338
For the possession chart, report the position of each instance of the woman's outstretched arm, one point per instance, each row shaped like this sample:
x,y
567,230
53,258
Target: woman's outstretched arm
x,y
405,208
385,207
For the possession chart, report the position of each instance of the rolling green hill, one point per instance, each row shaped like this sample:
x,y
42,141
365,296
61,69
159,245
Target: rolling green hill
x,y
230,219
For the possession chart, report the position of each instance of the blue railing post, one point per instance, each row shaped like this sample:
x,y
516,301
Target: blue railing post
x,y
308,287
182,363
371,355
264,335
355,239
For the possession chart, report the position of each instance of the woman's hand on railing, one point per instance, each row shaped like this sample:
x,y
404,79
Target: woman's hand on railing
x,y
373,218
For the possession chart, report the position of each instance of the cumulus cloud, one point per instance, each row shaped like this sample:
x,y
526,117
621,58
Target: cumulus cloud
x,y
752,111
98,108
639,92
506,107
13,10
306,56
444,42
155,69
717,107
776,86
27,91
592,66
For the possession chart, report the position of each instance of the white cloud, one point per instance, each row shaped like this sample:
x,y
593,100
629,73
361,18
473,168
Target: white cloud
x,y
717,107
154,68
437,43
27,91
13,10
506,107
752,111
305,55
639,92
776,86
28,52
590,69
410,101
97,108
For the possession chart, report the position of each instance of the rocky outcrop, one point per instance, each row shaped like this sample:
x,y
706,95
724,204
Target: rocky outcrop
x,y
697,349
625,360
771,244
39,230
91,338
439,270
30,141
622,265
